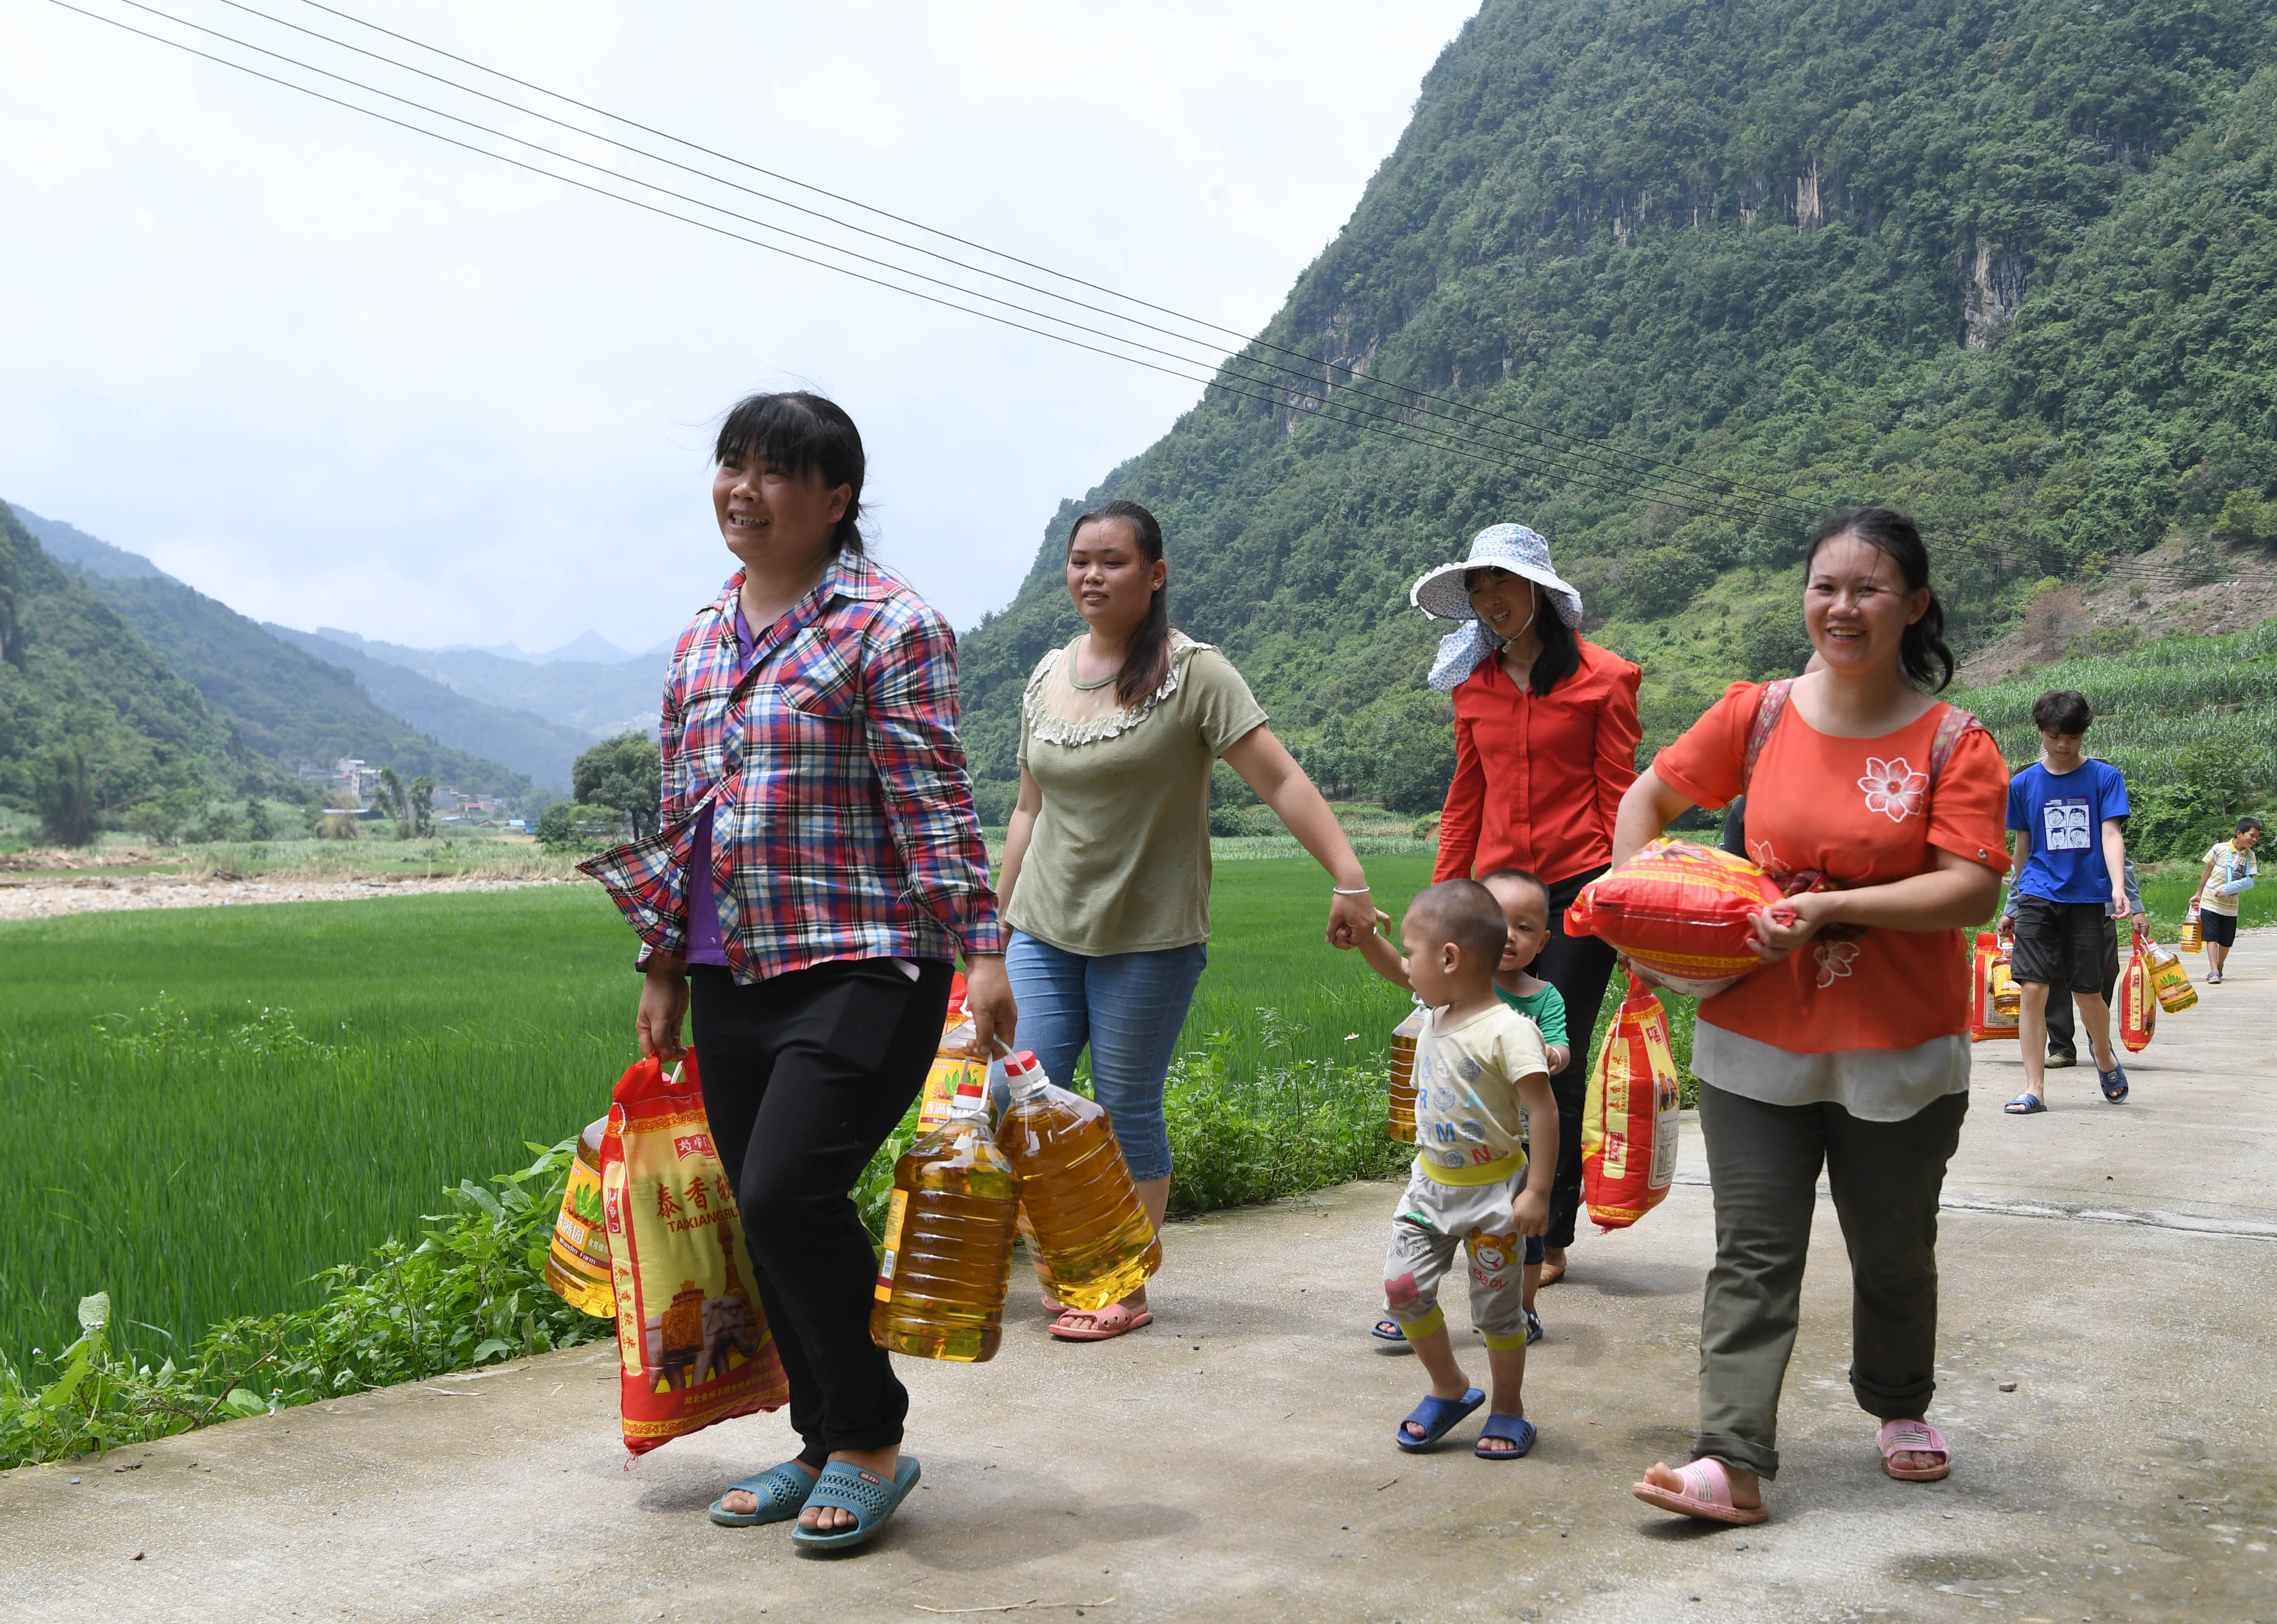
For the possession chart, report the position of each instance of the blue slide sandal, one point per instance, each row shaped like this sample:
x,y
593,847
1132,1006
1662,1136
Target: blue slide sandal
x,y
1437,1416
869,1497
2025,1105
2113,1082
1387,1329
781,1491
1511,1428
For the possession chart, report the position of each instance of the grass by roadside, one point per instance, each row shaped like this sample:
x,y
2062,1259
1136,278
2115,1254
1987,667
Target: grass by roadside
x,y
212,1106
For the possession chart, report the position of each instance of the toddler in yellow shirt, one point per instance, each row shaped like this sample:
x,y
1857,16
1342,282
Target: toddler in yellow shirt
x,y
1477,1062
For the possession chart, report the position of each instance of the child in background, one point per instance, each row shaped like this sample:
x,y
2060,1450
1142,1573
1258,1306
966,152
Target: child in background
x,y
2066,817
2231,870
1477,1063
1524,902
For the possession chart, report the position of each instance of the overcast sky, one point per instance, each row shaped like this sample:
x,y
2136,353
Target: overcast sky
x,y
335,373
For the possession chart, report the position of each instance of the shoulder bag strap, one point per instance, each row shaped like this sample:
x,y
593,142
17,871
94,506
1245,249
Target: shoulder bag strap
x,y
1768,711
1954,725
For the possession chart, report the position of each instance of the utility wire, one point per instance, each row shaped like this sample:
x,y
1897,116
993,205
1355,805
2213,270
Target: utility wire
x,y
1522,458
1534,461
1404,399
1389,427
1738,487
1541,458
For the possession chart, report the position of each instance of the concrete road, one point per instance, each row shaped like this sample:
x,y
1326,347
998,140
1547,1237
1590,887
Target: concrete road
x,y
1235,1462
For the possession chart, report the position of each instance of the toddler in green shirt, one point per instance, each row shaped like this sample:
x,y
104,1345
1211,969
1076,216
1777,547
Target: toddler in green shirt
x,y
1526,908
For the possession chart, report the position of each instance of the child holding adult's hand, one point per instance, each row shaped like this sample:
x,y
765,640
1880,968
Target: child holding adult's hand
x,y
1477,1062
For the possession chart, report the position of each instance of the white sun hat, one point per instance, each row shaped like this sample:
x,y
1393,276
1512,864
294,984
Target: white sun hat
x,y
1440,593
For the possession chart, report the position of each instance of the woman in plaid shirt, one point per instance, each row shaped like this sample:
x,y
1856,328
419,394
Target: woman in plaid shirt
x,y
819,867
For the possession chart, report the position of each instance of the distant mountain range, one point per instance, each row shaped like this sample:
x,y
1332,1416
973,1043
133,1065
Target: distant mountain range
x,y
484,722
598,698
589,646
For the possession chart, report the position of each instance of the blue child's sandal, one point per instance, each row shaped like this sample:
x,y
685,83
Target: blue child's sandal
x,y
781,1492
1511,1429
2113,1082
2025,1105
1387,1330
869,1497
1437,1417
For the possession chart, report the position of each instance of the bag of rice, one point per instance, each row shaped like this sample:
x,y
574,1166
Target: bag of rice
x,y
1629,1120
2138,1001
1991,1012
691,1339
1681,912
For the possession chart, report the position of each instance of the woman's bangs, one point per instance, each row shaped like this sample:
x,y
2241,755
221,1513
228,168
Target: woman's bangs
x,y
774,430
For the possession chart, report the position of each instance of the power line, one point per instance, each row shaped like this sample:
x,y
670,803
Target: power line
x,y
1720,488
1539,462
1501,455
1539,459
1738,487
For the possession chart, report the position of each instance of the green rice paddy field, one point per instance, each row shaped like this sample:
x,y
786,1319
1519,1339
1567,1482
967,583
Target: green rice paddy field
x,y
171,1143
209,1106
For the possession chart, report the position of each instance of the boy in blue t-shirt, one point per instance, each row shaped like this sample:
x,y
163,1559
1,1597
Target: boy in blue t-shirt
x,y
2068,817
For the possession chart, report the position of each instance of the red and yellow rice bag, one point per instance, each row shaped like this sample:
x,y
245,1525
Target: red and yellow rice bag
x,y
1629,1120
692,1342
1680,911
2138,1000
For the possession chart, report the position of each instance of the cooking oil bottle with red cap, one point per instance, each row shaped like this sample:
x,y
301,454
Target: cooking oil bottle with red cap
x,y
948,1239
1096,1241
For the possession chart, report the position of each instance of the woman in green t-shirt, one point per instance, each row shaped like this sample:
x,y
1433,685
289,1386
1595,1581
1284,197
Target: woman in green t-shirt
x,y
1106,865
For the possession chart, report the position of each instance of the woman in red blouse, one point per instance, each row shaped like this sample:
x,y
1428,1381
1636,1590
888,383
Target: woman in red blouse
x,y
1879,809
1545,743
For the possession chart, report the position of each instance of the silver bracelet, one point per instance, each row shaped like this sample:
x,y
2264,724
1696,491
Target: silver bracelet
x,y
1338,890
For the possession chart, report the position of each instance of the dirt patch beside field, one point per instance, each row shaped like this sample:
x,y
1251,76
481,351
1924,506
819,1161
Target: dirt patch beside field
x,y
50,898
2152,595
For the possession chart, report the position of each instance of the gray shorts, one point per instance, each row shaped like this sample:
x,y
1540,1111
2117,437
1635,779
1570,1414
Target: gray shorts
x,y
1433,1219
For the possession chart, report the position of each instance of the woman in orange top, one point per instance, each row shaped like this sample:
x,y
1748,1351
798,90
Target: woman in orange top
x,y
1545,741
1880,809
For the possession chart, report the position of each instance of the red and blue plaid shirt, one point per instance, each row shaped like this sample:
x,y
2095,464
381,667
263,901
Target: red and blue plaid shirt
x,y
842,820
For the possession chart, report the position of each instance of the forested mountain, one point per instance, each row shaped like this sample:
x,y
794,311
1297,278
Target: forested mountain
x,y
95,725
540,750
67,543
296,699
1680,277
297,710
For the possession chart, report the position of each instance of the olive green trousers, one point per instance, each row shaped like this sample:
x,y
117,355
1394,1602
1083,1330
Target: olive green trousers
x,y
1885,1178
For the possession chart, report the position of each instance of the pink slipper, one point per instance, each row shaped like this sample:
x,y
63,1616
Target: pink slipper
x,y
1706,1495
1111,1321
1913,1437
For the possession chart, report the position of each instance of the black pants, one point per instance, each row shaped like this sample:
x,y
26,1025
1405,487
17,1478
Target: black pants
x,y
2060,1031
1579,968
804,1075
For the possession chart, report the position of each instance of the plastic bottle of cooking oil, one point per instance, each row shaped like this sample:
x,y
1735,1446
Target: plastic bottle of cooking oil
x,y
2193,931
948,1239
2169,979
1095,1238
2007,997
1403,1074
951,1066
577,1260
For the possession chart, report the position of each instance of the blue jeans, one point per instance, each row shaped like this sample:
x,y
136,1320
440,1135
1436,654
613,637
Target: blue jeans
x,y
1127,1008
